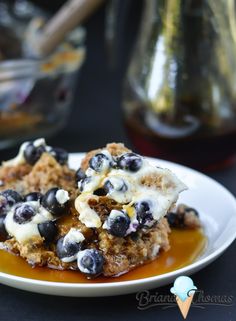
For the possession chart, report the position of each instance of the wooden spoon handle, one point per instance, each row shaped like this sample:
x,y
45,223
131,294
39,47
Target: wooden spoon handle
x,y
68,17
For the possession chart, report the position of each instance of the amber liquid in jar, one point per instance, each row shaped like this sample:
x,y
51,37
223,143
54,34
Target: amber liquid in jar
x,y
185,247
204,149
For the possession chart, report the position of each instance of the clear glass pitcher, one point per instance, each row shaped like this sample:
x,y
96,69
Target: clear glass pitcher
x,y
180,90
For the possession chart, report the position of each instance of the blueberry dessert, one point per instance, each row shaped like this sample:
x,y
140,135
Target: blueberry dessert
x,y
121,195
109,216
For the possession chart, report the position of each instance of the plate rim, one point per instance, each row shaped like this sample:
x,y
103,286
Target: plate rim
x,y
119,284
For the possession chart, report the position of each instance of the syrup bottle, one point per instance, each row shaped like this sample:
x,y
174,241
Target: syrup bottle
x,y
180,90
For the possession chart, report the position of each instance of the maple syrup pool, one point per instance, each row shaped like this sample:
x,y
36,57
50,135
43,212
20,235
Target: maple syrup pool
x,y
185,247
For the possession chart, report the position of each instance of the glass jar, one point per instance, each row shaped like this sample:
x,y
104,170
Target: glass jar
x,y
180,91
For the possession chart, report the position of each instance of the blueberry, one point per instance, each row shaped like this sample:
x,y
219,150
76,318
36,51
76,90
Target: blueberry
x,y
48,230
191,210
23,213
11,196
50,202
66,250
144,213
79,175
3,233
99,162
134,236
34,196
130,162
33,153
60,155
8,198
175,220
90,261
83,182
108,187
115,184
118,223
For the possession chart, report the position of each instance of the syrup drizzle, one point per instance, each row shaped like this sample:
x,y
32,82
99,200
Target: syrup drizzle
x,y
186,247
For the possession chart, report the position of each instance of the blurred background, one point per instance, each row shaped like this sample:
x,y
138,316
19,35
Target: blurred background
x,y
158,75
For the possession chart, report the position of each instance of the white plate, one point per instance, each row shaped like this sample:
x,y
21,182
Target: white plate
x,y
217,207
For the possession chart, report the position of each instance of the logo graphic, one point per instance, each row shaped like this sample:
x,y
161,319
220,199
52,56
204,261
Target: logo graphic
x,y
184,290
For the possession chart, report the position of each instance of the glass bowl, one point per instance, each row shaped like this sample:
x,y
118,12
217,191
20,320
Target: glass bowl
x,y
35,94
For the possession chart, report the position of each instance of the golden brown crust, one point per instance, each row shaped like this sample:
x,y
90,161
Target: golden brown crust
x,y
9,174
45,174
103,206
124,254
116,149
48,173
36,253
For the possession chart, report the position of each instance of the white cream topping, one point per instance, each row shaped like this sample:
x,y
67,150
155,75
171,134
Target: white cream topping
x,y
159,203
39,142
116,193
114,213
155,250
106,162
87,215
73,236
90,172
20,159
161,194
107,154
161,197
24,232
133,224
90,185
49,150
105,225
62,196
42,216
